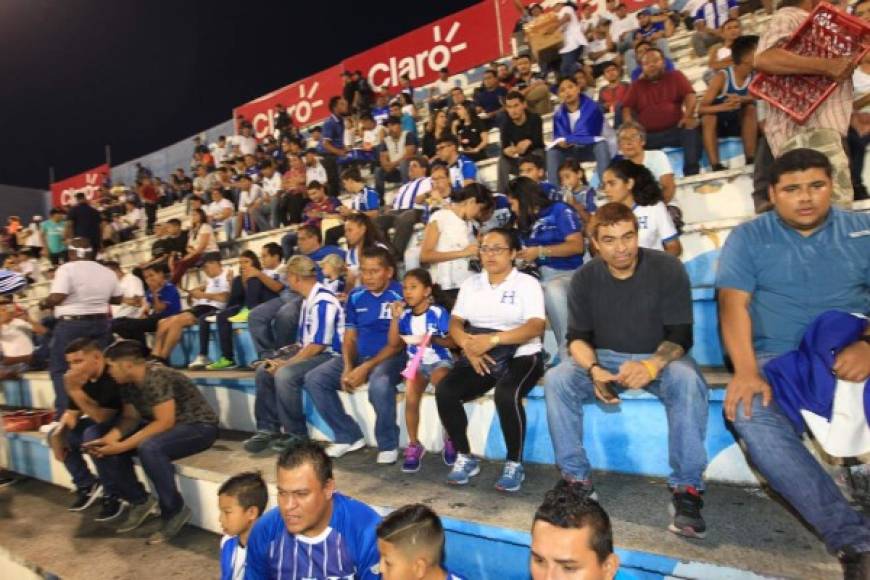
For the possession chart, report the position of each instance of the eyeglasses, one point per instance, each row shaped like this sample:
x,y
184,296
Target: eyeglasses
x,y
494,250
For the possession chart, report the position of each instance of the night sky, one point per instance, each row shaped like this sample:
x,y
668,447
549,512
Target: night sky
x,y
141,74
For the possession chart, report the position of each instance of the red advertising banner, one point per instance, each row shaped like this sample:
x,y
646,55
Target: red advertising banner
x,y
459,42
307,101
63,192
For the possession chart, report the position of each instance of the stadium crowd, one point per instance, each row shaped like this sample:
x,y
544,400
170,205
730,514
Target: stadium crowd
x,y
341,302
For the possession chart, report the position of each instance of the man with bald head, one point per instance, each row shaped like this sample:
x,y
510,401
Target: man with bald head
x,y
80,295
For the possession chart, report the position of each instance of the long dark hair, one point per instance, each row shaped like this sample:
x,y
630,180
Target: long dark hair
x,y
425,278
255,260
532,200
646,190
373,235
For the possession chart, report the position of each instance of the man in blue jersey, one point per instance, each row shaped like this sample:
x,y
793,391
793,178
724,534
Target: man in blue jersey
x,y
463,171
315,532
332,141
367,355
708,21
278,402
408,205
777,273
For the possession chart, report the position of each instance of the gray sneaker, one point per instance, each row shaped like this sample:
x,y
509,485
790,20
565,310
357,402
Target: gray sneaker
x,y
138,514
284,441
261,441
171,527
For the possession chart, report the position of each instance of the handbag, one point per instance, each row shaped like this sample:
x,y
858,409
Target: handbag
x,y
500,354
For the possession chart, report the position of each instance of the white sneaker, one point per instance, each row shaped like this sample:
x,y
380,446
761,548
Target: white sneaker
x,y
337,450
49,427
388,457
199,363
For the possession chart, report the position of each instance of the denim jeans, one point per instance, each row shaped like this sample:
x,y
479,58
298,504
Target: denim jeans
x,y
66,331
324,382
156,455
284,313
85,430
555,284
779,455
278,402
599,151
681,388
568,63
288,244
688,139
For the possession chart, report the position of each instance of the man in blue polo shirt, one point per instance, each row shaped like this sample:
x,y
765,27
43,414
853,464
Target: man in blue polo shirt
x,y
463,171
367,355
489,98
776,274
332,141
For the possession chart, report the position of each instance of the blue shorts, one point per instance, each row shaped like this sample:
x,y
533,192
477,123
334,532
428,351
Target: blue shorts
x,y
427,369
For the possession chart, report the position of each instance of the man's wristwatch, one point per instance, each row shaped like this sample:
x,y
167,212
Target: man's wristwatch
x,y
494,340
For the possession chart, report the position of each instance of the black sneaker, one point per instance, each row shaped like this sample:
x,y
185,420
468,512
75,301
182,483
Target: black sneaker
x,y
112,508
7,479
685,508
855,566
86,497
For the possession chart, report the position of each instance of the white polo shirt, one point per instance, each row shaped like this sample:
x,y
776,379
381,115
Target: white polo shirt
x,y
515,301
88,287
655,226
132,287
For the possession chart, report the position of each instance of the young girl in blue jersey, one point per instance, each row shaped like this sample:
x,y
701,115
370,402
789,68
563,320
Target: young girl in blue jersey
x,y
419,315
242,500
576,190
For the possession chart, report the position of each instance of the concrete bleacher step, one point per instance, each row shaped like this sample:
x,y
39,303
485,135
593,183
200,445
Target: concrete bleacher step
x,y
750,536
631,438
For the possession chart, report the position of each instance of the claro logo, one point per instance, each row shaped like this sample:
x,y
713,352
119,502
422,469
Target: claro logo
x,y
387,74
90,189
306,102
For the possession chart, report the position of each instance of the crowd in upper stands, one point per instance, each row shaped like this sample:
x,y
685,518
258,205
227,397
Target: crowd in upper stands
x,y
453,281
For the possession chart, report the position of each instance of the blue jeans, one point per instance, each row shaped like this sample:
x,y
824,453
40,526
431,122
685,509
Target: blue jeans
x,y
555,284
66,331
568,64
778,453
681,388
288,244
86,430
284,312
156,455
556,156
688,139
324,382
279,397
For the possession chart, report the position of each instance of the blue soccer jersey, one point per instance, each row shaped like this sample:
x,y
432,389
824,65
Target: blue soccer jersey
x,y
365,200
322,319
369,315
553,225
462,170
435,321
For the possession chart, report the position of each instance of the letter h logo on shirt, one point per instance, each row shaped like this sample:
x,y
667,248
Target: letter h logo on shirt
x,y
642,222
385,311
508,297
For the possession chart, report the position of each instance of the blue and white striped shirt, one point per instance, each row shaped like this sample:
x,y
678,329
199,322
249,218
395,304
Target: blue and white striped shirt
x,y
365,200
322,319
406,198
463,169
435,321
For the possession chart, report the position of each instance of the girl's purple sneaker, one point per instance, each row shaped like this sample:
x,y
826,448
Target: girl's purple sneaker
x,y
449,452
414,453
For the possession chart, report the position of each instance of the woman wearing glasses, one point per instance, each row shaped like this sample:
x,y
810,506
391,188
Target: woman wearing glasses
x,y
448,240
552,236
498,321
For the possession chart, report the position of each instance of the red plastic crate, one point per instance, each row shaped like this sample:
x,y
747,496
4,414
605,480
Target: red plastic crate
x,y
827,33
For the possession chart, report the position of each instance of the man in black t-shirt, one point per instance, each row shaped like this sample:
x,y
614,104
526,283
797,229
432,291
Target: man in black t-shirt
x,y
164,418
83,221
630,327
522,133
94,404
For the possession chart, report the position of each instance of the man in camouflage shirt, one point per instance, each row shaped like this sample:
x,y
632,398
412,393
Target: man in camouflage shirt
x,y
164,418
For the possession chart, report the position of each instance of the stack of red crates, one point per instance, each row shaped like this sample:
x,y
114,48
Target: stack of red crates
x,y
827,33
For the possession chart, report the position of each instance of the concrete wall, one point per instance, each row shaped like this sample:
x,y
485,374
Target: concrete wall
x,y
24,202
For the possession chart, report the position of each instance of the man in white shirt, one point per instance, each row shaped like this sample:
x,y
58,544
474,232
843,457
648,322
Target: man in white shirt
x,y
131,221
132,293
622,28
249,192
575,40
245,142
264,210
314,170
439,94
219,150
631,138
80,294
220,212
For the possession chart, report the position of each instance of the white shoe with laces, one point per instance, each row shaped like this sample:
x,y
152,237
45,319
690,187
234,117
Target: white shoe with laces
x,y
337,450
388,457
199,363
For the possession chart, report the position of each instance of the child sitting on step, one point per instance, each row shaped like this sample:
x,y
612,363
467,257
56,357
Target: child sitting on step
x,y
411,544
242,500
420,315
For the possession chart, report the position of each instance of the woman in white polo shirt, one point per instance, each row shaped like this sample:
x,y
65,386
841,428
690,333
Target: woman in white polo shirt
x,y
498,321
634,186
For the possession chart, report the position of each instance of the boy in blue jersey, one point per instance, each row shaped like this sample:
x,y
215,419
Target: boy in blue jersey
x,y
242,500
532,166
367,355
278,402
411,543
462,170
315,532
365,199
